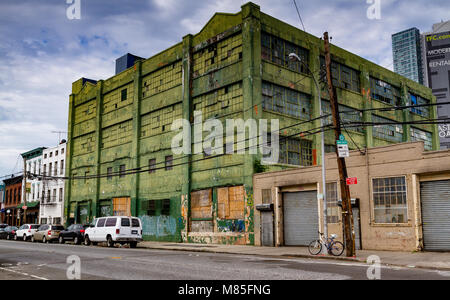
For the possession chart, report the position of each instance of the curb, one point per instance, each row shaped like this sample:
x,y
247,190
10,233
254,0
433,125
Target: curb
x,y
347,259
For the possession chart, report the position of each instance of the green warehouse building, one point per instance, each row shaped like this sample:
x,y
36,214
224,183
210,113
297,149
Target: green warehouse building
x,y
237,66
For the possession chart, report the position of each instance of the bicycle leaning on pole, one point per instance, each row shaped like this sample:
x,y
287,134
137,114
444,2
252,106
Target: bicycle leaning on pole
x,y
335,248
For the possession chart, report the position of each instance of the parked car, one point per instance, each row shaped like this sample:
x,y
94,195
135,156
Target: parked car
x,y
25,232
8,233
74,233
47,233
112,230
3,226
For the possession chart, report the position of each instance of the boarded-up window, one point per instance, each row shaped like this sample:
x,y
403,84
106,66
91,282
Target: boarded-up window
x,y
231,203
201,204
121,207
201,211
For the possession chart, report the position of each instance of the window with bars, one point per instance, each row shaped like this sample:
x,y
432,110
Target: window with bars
x,y
277,50
343,76
295,152
385,92
417,100
286,101
332,203
392,133
424,136
390,203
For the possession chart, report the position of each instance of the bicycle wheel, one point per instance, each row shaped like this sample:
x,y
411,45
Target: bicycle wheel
x,y
315,247
337,248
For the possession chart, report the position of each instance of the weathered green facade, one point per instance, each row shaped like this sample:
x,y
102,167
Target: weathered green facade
x,y
124,123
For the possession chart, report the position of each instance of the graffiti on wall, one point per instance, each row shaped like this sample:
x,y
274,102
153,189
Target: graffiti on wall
x,y
159,226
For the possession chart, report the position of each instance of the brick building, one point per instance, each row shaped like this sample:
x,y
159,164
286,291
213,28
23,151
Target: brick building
x,y
13,192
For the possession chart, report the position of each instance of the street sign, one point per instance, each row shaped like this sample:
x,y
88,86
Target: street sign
x,y
342,146
352,181
25,208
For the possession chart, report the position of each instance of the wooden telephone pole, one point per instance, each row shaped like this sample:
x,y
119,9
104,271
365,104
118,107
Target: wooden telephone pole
x,y
347,215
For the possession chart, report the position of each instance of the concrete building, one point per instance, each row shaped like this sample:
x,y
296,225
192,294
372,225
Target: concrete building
x,y
13,192
33,160
436,70
401,201
407,54
52,201
119,156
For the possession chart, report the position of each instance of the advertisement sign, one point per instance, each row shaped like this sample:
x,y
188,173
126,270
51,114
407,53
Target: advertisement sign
x,y
437,47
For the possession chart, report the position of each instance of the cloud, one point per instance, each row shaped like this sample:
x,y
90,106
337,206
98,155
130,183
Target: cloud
x,y
42,52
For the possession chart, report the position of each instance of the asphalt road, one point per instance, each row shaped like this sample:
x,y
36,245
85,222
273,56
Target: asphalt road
x,y
21,260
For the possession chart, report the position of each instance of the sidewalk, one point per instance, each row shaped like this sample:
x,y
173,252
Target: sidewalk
x,y
426,260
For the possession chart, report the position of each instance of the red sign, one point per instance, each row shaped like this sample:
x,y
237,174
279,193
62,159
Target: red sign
x,y
352,181
24,208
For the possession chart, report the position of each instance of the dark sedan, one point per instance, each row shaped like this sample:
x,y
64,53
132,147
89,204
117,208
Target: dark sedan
x,y
8,232
74,233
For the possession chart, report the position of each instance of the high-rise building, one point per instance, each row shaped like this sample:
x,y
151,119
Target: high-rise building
x,y
119,152
407,54
436,70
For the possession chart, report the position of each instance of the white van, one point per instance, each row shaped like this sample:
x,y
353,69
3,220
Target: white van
x,y
112,230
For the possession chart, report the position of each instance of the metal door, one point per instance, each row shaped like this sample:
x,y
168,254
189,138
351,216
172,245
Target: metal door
x,y
435,198
267,233
301,221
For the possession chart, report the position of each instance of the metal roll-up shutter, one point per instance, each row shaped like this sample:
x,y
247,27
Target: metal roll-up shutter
x,y
435,198
301,221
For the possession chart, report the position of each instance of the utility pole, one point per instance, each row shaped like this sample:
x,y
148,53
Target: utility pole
x,y
347,215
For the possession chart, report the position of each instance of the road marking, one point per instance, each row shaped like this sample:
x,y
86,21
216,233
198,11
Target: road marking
x,y
23,274
116,257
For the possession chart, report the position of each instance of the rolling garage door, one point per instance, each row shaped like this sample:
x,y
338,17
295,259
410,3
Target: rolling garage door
x,y
301,221
435,197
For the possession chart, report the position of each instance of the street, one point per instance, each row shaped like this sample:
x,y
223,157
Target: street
x,y
20,261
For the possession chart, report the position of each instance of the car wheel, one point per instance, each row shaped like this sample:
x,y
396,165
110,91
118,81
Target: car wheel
x,y
76,240
8,237
61,240
15,237
87,241
44,239
24,237
109,242
32,239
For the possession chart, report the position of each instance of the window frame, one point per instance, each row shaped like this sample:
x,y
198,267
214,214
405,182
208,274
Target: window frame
x,y
372,199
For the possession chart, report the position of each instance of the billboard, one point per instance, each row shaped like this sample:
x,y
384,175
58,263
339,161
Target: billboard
x,y
437,47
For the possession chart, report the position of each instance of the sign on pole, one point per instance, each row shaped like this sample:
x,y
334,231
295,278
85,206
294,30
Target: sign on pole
x,y
342,146
352,181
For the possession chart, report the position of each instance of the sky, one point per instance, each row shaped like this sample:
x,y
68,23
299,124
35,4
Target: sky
x,y
42,51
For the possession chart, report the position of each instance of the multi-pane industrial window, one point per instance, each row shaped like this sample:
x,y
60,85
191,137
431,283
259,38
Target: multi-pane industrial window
x,y
217,55
424,136
389,197
392,133
169,162
162,80
224,101
417,100
383,91
332,203
151,166
295,152
277,51
343,76
346,114
286,101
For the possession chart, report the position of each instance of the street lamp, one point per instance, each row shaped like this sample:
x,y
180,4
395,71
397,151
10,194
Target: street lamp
x,y
294,57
